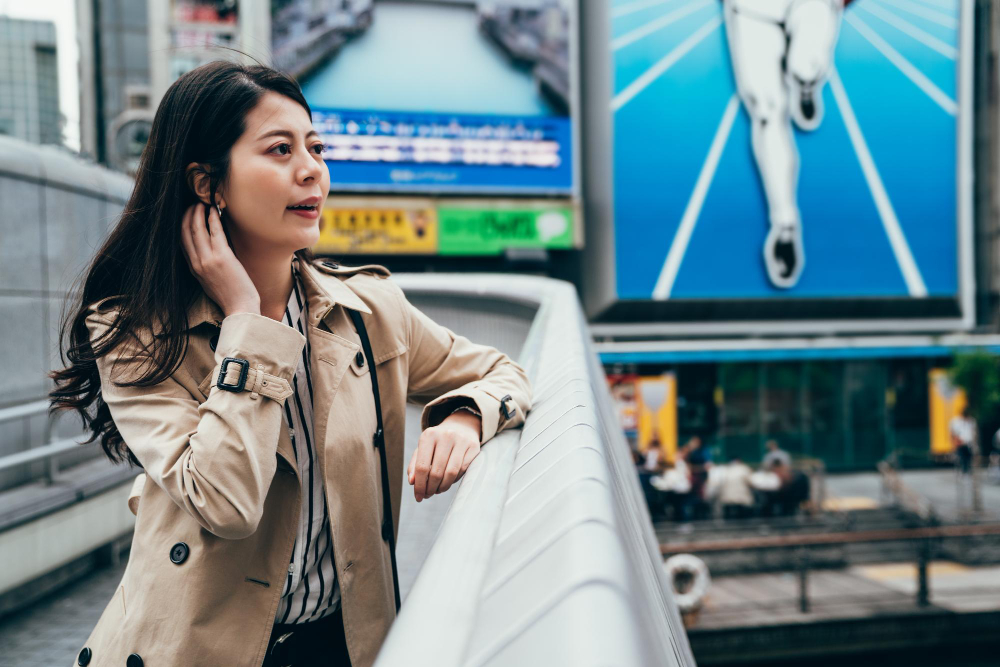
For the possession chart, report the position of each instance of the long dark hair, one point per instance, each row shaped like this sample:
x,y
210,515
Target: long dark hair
x,y
141,263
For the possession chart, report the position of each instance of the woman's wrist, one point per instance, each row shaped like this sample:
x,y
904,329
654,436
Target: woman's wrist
x,y
244,308
467,416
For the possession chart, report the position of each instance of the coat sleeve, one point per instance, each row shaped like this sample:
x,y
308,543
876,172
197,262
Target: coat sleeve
x,y
215,459
450,370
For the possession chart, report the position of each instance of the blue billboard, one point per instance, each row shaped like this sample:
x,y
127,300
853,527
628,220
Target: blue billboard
x,y
422,96
775,149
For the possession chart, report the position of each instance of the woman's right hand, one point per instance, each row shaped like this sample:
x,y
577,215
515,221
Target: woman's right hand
x,y
213,263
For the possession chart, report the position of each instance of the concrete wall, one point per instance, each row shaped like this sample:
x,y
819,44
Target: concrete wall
x,y
55,209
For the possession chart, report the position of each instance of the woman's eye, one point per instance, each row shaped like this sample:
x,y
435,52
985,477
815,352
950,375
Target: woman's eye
x,y
280,146
321,148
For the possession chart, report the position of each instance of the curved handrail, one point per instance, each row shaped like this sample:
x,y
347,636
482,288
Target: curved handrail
x,y
544,552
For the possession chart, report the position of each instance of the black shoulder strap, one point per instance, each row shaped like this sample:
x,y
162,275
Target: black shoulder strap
x,y
388,534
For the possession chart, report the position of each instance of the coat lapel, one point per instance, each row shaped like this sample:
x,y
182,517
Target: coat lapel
x,y
331,345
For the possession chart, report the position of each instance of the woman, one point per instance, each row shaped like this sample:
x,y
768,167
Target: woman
x,y
236,370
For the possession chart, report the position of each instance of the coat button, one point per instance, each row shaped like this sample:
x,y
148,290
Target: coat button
x,y
360,359
84,657
386,529
134,660
178,554
213,341
377,437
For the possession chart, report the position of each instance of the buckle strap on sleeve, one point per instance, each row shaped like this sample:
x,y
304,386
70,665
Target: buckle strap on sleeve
x,y
236,375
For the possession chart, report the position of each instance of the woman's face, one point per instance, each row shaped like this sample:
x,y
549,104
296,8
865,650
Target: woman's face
x,y
276,163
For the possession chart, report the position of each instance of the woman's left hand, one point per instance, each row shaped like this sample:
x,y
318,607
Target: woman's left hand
x,y
443,454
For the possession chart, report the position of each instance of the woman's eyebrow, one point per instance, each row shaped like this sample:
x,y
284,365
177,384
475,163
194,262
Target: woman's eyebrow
x,y
285,133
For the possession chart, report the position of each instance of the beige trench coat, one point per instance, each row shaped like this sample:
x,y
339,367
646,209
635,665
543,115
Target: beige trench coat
x,y
220,472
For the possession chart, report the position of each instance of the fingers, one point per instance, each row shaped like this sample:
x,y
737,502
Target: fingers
x,y
470,455
442,452
441,458
216,233
199,234
454,469
409,468
425,452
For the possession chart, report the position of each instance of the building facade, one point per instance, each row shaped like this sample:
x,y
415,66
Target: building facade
x,y
29,81
115,112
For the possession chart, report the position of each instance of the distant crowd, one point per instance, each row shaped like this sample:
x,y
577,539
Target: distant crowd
x,y
692,487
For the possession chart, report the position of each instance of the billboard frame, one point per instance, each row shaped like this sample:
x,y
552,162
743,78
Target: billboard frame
x,y
598,277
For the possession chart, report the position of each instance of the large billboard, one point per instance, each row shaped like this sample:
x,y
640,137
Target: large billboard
x,y
791,158
436,97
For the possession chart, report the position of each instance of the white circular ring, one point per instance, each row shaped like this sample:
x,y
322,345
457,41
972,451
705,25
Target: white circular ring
x,y
694,566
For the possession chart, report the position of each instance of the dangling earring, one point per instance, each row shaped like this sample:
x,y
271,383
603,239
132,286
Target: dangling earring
x,y
219,209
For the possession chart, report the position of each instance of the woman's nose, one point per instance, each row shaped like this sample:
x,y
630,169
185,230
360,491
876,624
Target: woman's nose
x,y
311,168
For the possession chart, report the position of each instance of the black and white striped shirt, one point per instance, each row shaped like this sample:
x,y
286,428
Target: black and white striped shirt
x,y
311,590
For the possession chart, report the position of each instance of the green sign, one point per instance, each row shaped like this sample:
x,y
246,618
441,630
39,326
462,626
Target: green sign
x,y
472,231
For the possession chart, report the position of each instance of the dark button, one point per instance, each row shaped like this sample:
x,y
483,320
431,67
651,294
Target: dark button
x,y
386,529
360,359
332,265
84,657
377,437
134,660
179,553
213,341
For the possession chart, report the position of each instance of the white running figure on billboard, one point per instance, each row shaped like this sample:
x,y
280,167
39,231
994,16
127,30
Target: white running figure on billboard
x,y
781,51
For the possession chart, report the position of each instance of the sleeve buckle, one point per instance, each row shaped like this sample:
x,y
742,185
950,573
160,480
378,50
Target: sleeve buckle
x,y
507,412
241,382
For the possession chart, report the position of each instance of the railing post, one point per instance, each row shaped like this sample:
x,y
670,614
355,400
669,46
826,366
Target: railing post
x,y
977,500
804,580
923,589
51,469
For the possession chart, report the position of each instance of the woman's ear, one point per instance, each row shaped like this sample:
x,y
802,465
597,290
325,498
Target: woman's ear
x,y
198,180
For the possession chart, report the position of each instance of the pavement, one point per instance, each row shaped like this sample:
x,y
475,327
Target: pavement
x,y
940,486
52,630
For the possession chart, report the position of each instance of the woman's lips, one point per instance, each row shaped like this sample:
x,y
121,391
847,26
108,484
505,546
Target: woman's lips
x,y
311,213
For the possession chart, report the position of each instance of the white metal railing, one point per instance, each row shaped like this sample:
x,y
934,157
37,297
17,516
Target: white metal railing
x,y
547,550
48,452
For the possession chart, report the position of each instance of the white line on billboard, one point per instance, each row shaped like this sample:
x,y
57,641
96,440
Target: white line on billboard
x,y
929,14
665,283
900,248
940,4
904,65
648,29
913,31
665,63
634,7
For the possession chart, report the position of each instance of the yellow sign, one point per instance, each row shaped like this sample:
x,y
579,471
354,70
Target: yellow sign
x,y
657,407
946,401
354,228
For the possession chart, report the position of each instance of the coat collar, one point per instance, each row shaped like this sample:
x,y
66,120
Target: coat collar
x,y
323,292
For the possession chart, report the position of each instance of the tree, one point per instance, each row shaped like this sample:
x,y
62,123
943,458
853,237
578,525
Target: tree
x,y
978,373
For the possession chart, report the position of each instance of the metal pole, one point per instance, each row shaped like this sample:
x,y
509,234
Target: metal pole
x,y
923,589
977,501
804,580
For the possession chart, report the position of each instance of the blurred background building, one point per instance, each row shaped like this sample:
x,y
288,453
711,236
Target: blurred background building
x,y
29,81
115,110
